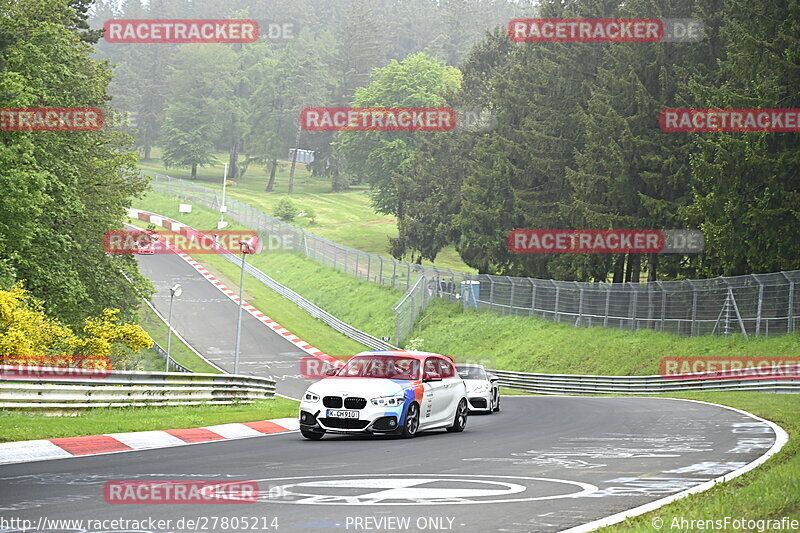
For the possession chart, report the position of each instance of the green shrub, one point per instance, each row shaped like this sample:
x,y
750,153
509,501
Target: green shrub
x,y
311,215
286,210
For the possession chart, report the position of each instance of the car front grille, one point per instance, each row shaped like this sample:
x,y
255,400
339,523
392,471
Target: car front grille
x,y
344,423
334,402
355,403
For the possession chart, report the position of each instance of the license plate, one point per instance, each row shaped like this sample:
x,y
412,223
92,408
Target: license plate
x,y
333,413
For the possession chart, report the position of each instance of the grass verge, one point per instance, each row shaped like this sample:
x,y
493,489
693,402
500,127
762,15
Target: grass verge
x,y
181,353
30,425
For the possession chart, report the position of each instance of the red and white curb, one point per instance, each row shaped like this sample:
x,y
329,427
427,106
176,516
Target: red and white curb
x,y
178,227
42,450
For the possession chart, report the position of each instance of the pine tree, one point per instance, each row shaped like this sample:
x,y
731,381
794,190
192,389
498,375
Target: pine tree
x,y
746,185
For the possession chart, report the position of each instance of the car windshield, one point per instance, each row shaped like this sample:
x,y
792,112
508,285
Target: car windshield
x,y
381,367
471,372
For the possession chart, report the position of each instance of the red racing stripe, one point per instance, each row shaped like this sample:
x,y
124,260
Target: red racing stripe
x,y
265,426
195,435
90,445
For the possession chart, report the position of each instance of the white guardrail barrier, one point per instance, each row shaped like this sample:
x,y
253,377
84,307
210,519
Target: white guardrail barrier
x,y
784,379
46,387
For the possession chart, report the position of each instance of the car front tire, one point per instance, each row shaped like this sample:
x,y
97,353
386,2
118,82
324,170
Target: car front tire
x,y
497,400
411,423
460,421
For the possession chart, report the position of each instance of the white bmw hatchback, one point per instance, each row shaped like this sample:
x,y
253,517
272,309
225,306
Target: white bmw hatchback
x,y
386,392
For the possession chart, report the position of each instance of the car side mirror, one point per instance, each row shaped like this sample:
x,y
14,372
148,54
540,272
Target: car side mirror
x,y
331,372
493,378
432,376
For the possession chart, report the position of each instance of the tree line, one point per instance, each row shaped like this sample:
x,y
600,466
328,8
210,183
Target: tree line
x,y
577,144
573,142
244,99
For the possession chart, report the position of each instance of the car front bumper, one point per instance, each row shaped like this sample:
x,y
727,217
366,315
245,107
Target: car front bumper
x,y
480,402
371,419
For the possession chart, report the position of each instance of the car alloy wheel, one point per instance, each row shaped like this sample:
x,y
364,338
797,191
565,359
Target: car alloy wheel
x,y
460,421
411,424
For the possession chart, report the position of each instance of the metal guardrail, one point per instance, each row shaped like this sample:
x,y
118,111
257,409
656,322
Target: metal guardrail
x,y
172,364
47,387
306,305
561,384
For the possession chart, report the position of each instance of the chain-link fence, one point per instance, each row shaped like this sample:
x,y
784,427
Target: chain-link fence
x,y
759,304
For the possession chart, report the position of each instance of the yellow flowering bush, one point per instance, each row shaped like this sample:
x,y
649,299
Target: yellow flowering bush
x,y
29,337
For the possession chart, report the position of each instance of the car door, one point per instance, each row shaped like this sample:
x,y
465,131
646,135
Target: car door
x,y
454,388
435,397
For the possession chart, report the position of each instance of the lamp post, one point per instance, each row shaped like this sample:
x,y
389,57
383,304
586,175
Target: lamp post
x,y
173,293
246,248
222,207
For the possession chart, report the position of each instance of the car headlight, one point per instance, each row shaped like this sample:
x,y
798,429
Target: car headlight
x,y
388,401
483,387
310,397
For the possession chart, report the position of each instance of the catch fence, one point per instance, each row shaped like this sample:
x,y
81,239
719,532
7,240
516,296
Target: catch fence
x,y
759,304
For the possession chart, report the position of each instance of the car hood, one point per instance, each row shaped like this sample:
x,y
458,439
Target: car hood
x,y
473,384
363,387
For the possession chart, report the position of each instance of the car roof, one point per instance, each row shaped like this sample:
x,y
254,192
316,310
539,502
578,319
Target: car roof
x,y
413,354
470,365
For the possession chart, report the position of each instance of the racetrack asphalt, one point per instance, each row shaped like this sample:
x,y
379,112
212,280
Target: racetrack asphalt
x,y
206,318
541,464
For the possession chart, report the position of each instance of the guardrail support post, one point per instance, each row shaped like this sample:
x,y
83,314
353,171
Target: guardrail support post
x,y
693,326
511,297
790,327
760,301
555,308
533,296
790,312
